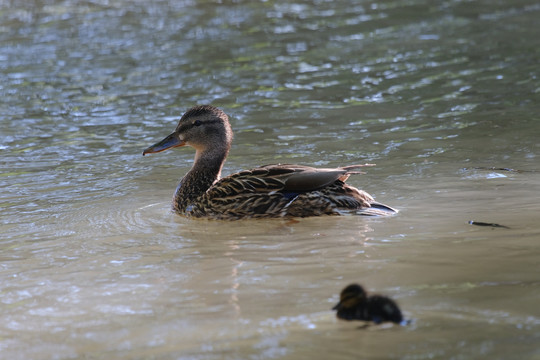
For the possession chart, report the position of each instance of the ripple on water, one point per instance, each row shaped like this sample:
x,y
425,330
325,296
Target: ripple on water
x,y
126,219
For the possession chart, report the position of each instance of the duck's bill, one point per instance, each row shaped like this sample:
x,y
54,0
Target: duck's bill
x,y
337,306
169,142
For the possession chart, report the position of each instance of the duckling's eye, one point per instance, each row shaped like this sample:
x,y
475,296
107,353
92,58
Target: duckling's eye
x,y
197,123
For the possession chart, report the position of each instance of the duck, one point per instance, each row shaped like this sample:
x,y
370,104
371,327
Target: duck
x,y
269,191
356,304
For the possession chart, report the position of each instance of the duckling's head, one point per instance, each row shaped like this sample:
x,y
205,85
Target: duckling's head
x,y
205,128
351,296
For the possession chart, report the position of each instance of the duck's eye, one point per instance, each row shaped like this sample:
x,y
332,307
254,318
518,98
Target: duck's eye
x,y
197,123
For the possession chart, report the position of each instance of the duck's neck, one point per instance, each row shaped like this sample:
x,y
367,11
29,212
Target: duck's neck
x,y
205,172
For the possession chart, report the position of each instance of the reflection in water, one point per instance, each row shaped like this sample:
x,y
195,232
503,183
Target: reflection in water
x,y
234,301
94,263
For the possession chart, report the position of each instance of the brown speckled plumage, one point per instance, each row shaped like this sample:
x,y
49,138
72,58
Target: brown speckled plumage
x,y
281,190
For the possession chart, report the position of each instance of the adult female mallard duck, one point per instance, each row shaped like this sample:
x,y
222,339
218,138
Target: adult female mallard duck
x,y
280,190
355,304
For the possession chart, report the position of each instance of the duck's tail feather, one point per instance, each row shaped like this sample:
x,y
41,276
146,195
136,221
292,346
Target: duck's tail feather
x,y
377,209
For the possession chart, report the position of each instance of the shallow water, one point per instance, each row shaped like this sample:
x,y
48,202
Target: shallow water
x,y
94,264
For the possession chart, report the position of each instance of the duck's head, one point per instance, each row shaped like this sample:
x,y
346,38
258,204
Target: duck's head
x,y
205,128
351,296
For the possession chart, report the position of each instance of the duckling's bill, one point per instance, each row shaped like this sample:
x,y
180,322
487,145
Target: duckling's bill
x,y
169,142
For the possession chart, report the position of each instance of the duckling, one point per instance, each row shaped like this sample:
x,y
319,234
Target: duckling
x,y
280,190
356,304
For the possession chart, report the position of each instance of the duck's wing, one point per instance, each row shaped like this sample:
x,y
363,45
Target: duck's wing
x,y
280,178
284,189
254,181
298,178
249,193
382,308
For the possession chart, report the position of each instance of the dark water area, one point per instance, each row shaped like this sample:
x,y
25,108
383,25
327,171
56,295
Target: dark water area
x,y
443,96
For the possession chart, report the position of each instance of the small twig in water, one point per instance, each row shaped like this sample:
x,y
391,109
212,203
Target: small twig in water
x,y
478,223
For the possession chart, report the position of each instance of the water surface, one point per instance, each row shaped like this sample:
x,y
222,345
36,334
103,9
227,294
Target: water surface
x,y
440,96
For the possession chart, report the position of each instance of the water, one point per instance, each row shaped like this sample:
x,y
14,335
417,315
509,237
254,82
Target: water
x,y
94,264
